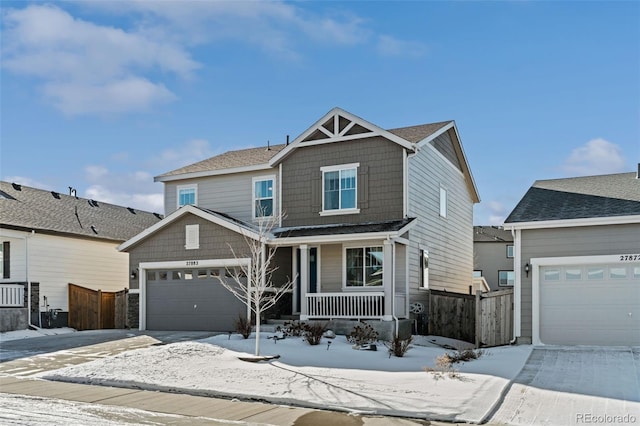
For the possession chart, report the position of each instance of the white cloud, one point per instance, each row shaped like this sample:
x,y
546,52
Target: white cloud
x,y
598,156
391,46
151,202
87,68
190,152
28,182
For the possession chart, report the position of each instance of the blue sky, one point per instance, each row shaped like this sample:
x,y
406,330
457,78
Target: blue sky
x,y
103,96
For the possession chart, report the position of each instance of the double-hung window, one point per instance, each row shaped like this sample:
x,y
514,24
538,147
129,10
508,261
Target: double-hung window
x,y
340,189
187,195
263,196
364,266
506,278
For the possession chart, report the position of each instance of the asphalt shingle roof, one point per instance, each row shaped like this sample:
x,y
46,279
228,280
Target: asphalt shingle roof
x,y
579,198
491,234
415,134
345,228
23,207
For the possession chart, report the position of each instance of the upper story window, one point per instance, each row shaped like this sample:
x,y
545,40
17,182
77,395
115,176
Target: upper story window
x,y
510,251
443,202
340,189
263,196
187,195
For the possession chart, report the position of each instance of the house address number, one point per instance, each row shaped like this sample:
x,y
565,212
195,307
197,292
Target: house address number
x,y
629,257
192,263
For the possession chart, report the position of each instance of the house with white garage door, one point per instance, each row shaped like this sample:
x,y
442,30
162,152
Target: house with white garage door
x,y
370,221
577,261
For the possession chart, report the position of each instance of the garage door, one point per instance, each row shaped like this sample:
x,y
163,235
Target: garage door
x,y
596,304
190,300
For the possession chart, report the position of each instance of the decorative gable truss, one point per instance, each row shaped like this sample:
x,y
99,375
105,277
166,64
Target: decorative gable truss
x,y
336,126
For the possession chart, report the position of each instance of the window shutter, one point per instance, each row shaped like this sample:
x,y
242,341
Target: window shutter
x,y
316,190
192,237
6,259
363,187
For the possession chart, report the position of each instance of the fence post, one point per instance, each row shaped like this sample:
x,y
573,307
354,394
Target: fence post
x,y
478,318
99,325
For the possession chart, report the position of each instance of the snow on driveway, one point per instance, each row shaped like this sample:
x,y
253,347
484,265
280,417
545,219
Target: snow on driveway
x,y
573,386
325,376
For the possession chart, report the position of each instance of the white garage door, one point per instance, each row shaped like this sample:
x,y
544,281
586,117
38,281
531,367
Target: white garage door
x,y
594,304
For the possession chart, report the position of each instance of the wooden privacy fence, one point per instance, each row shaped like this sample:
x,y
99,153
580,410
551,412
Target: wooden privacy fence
x,y
95,309
494,318
485,319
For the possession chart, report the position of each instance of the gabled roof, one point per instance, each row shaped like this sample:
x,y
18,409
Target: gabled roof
x,y
603,196
25,208
415,134
228,162
224,220
491,234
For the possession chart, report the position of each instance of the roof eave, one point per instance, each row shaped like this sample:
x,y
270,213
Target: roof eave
x,y
217,172
569,223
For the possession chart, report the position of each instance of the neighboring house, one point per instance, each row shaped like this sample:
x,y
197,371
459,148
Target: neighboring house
x,y
577,257
374,220
55,239
493,256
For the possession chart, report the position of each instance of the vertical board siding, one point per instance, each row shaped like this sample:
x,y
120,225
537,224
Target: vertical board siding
x,y
494,318
575,241
449,240
452,315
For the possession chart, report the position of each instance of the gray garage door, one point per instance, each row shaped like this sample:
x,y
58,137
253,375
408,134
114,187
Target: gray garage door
x,y
590,304
190,300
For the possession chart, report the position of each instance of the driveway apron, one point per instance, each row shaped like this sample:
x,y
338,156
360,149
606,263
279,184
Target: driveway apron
x,y
573,386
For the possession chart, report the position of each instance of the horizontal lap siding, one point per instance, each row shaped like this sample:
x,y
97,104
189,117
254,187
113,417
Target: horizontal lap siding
x,y
302,181
230,194
331,268
576,241
449,240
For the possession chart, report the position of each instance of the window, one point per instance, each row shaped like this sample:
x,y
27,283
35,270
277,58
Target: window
x,y
263,197
364,266
443,202
636,272
424,269
573,274
618,272
192,237
477,274
552,275
510,251
187,195
595,273
506,278
340,189
5,260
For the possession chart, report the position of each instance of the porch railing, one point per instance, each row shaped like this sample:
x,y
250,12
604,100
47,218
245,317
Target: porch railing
x,y
345,305
11,295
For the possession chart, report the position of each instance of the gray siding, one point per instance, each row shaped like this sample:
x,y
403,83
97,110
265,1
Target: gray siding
x,y
168,244
449,240
230,194
578,241
491,258
331,268
445,147
379,181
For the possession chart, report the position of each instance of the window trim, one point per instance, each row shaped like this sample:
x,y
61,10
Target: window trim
x,y
363,287
194,232
193,186
512,251
338,211
254,180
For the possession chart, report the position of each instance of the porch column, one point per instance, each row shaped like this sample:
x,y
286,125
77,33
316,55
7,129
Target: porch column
x,y
387,280
304,280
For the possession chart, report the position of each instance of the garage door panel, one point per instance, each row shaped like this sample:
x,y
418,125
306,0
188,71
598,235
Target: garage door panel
x,y
202,304
589,312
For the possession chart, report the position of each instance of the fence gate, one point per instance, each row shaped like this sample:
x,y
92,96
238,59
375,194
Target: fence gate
x,y
95,309
494,318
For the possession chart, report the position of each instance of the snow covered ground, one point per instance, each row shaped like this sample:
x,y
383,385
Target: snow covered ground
x,y
331,376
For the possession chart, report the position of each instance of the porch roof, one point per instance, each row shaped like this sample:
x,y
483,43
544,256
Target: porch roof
x,y
396,227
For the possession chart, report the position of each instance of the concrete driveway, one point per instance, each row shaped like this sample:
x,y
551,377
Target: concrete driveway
x,y
574,386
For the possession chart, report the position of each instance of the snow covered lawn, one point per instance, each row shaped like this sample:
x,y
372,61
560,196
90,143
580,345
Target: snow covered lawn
x,y
326,376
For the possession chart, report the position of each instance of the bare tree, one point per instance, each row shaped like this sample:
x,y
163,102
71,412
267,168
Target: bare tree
x,y
252,284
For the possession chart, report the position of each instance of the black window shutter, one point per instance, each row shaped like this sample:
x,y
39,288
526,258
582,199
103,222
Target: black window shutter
x,y
6,257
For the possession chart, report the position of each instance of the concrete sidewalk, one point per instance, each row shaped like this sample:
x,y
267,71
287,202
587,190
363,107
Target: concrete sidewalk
x,y
193,406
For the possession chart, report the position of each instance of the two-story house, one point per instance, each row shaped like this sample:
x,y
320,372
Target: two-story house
x,y
372,220
493,256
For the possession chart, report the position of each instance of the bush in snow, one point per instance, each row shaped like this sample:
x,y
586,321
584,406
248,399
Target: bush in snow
x,y
399,346
313,332
243,326
362,334
293,328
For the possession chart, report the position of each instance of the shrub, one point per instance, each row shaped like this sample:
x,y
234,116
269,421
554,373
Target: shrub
x,y
243,326
398,346
313,332
461,355
362,334
293,328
